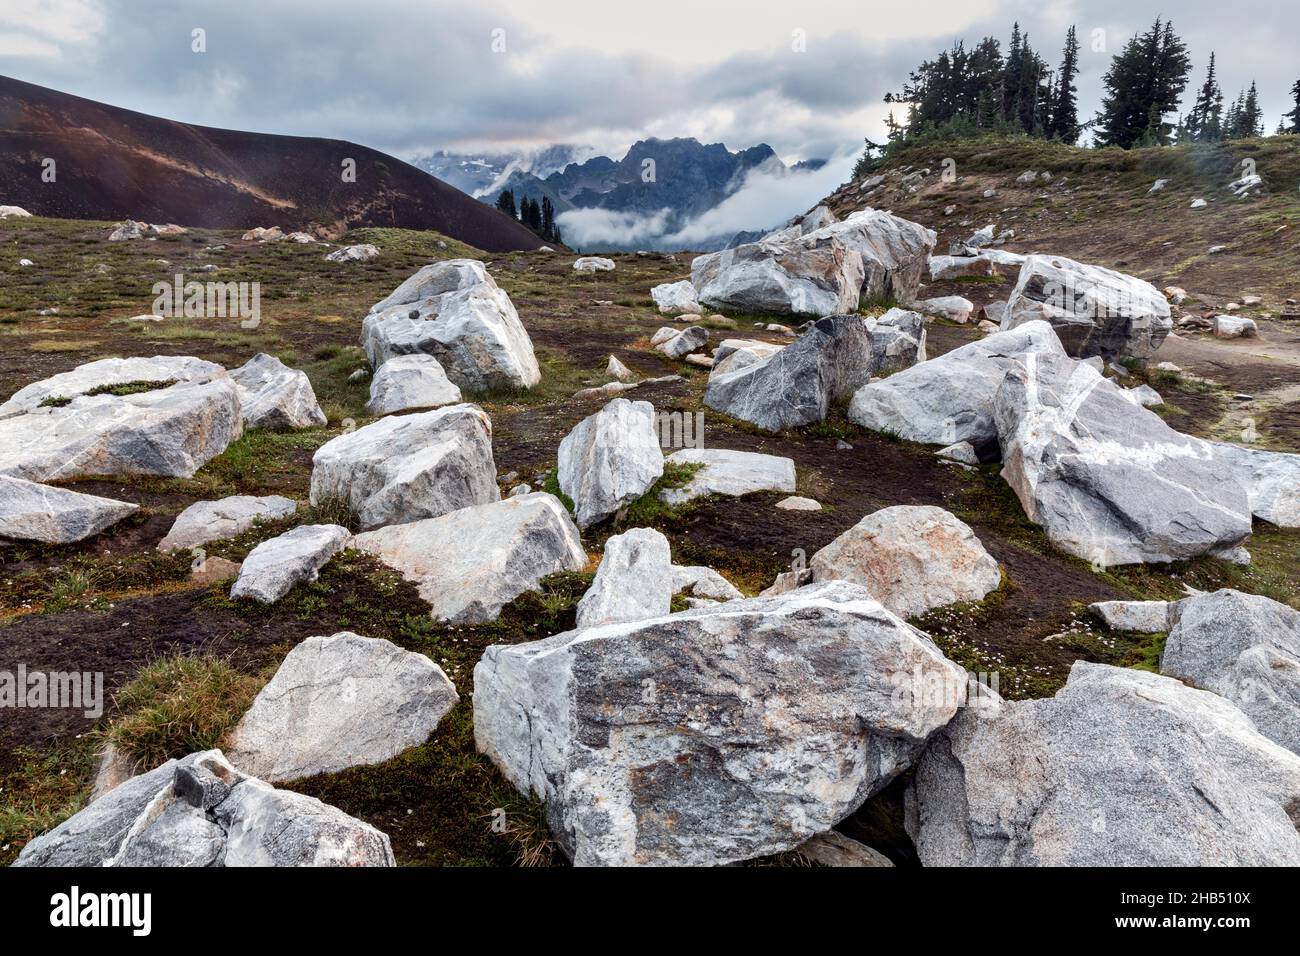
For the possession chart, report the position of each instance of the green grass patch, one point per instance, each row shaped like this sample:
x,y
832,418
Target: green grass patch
x,y
178,705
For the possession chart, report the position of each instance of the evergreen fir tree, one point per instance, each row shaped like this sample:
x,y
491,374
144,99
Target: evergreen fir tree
x,y
1205,121
1064,123
1144,84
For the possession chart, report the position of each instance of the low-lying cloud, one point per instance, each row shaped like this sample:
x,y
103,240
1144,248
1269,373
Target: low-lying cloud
x,y
765,199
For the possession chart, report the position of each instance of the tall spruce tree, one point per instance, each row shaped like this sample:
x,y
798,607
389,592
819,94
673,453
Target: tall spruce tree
x,y
1205,120
1064,123
1143,85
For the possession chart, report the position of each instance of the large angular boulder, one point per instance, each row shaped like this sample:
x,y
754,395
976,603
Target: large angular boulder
x,y
405,382
35,512
726,472
276,396
894,251
171,432
1120,768
107,373
634,580
472,562
454,311
912,558
337,702
897,341
814,277
676,298
1244,647
201,811
949,399
1095,311
1271,480
717,734
275,566
610,459
1106,479
409,467
797,385
206,521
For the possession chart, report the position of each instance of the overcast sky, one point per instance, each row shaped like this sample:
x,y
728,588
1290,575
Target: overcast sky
x,y
409,76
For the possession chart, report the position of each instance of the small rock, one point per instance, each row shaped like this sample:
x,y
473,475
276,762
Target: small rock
x,y
633,582
272,568
796,503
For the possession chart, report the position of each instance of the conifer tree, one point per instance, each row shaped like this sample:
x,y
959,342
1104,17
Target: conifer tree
x,y
1144,84
1064,124
506,203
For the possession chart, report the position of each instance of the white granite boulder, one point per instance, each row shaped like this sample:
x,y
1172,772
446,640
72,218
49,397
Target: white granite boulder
x,y
206,521
733,473
610,459
36,512
170,431
408,467
107,373
201,811
275,566
897,341
337,702
1095,311
813,277
1244,647
1106,479
676,298
407,382
718,734
1234,327
1120,768
894,251
454,311
593,264
276,396
1142,617
470,563
949,399
703,582
1271,480
634,580
912,558
952,307
796,385
682,343
358,253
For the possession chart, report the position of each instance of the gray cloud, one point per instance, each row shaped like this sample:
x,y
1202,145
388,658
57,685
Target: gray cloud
x,y
407,76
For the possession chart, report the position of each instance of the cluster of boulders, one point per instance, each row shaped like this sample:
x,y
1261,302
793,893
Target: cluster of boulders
x,y
796,385
741,726
165,416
